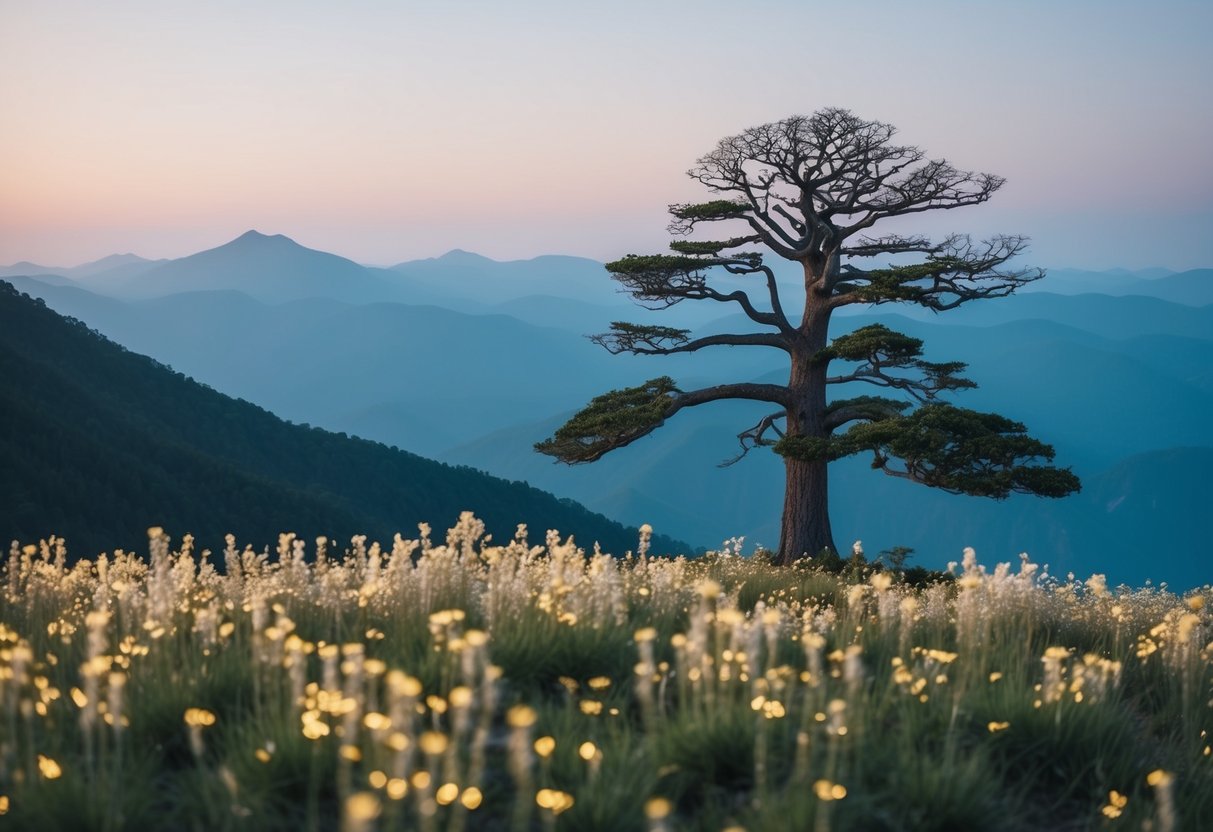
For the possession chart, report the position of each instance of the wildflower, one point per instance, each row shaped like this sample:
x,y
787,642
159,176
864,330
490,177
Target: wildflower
x,y
1116,804
49,768
544,746
553,800
433,743
361,809
588,751
521,716
657,808
995,727
827,791
471,798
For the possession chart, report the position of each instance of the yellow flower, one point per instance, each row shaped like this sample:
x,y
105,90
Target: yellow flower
x,y
995,727
199,717
521,716
433,742
1116,803
49,768
587,751
827,791
656,808
362,807
554,800
1158,777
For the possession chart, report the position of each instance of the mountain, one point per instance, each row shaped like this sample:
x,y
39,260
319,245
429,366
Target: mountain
x,y
113,265
420,377
97,443
1191,288
25,267
1106,315
273,268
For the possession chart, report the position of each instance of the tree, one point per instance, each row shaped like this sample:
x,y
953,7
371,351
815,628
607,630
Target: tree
x,y
807,189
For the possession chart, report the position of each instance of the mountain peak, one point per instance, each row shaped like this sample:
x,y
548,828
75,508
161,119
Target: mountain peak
x,y
458,255
254,236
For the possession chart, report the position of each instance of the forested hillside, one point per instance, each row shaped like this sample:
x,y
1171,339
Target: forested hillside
x,y
97,443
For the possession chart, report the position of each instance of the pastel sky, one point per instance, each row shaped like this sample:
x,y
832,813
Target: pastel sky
x,y
387,131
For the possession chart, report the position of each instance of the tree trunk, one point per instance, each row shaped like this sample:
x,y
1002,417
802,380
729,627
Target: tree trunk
x,y
806,518
805,529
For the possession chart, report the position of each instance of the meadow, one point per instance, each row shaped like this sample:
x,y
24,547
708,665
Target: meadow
x,y
472,684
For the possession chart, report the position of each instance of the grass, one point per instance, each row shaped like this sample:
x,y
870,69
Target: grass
x,y
465,686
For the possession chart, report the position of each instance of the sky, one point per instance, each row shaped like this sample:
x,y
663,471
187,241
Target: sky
x,y
389,131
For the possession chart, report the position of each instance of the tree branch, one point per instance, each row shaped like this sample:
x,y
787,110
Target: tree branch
x,y
881,351
962,452
620,417
862,408
667,279
755,436
957,271
659,340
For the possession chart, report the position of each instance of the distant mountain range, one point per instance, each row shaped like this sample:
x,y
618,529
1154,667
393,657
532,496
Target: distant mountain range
x,y
471,361
97,443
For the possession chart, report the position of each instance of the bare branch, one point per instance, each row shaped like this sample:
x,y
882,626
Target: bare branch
x,y
756,436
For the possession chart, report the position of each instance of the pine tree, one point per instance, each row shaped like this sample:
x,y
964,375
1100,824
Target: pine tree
x,y
808,189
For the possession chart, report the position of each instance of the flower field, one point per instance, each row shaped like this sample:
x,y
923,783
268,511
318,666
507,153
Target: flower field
x,y
467,685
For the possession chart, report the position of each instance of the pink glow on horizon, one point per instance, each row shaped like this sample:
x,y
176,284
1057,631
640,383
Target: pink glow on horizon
x,y
385,133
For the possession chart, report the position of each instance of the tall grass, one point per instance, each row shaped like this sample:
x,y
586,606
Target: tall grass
x,y
464,685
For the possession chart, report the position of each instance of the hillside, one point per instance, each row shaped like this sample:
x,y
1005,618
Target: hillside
x,y
97,443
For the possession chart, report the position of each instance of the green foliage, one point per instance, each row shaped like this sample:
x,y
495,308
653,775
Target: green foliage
x,y
658,264
872,340
962,451
811,448
717,209
611,420
896,283
896,557
706,247
628,335
872,408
